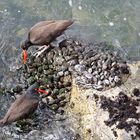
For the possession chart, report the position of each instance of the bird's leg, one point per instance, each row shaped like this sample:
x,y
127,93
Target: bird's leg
x,y
40,47
41,50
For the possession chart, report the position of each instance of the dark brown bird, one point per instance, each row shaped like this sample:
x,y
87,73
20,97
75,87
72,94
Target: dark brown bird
x,y
23,106
44,32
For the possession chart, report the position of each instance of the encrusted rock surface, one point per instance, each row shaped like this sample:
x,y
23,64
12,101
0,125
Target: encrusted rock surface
x,y
87,83
113,114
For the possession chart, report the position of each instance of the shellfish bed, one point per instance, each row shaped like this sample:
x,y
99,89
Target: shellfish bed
x,y
92,66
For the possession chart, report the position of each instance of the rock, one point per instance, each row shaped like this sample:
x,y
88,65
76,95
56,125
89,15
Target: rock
x,y
26,75
106,82
15,136
102,77
80,56
40,69
88,75
62,90
124,68
56,91
105,73
113,64
66,73
108,62
117,79
95,73
99,87
96,57
97,76
79,68
50,100
104,67
43,87
99,63
68,89
45,67
62,97
83,79
17,89
99,83
62,103
60,111
111,79
73,62
48,72
113,84
31,80
67,84
54,107
2,90
95,80
136,92
90,70
61,73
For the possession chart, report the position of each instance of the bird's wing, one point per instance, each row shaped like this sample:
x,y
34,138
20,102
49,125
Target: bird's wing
x,y
27,104
45,34
19,110
40,36
59,27
15,104
41,23
38,25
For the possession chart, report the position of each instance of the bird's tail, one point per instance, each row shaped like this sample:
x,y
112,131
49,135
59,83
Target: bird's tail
x,y
1,123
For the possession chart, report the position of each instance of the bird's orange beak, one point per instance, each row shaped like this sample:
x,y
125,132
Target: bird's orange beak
x,y
24,56
43,91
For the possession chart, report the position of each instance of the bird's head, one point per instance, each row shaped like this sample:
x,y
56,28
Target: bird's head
x,y
24,45
33,88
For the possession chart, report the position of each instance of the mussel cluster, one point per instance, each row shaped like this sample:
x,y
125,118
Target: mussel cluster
x,y
56,82
123,112
91,66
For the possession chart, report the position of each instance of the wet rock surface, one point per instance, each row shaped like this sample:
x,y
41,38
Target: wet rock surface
x,y
92,66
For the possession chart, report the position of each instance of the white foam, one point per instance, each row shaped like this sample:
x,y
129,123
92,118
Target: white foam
x,y
80,7
5,10
70,3
125,18
111,23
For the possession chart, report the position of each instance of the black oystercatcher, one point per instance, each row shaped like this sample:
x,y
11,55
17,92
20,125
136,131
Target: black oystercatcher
x,y
23,106
43,33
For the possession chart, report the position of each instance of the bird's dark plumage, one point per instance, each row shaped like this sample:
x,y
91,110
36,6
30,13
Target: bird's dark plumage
x,y
44,32
23,106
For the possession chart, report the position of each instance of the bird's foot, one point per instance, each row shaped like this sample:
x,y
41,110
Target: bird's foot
x,y
41,50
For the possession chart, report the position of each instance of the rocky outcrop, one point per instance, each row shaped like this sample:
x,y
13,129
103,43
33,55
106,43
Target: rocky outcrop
x,y
113,114
91,84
